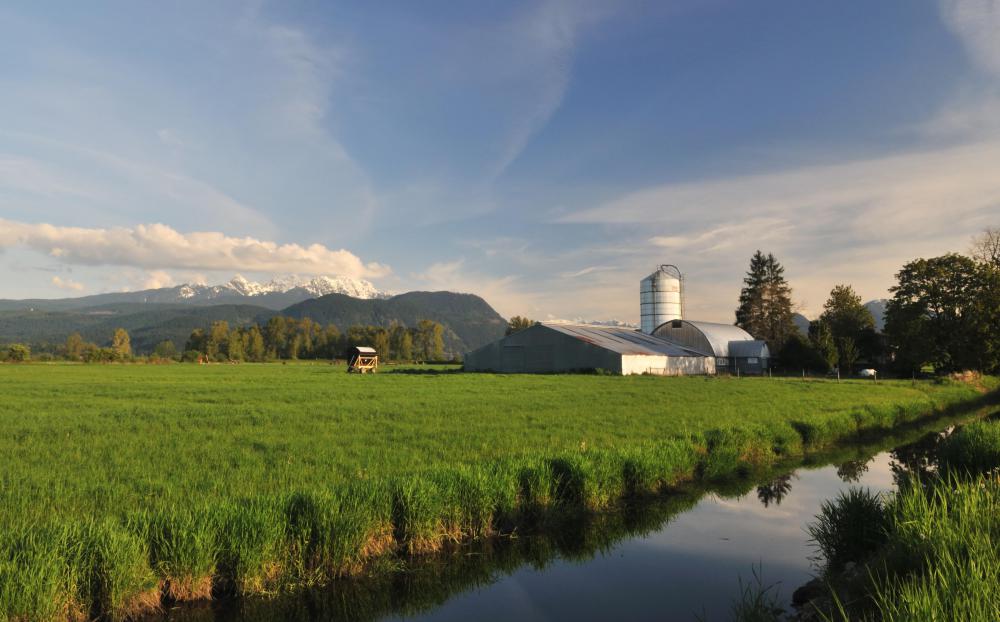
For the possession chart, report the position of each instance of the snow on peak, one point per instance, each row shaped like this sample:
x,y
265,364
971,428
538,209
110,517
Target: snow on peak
x,y
316,286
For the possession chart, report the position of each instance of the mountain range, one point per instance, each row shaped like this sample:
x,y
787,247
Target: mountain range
x,y
275,294
171,313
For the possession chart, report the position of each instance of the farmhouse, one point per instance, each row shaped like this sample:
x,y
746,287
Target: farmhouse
x,y
559,347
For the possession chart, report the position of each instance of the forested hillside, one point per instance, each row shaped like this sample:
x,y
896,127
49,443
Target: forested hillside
x,y
468,321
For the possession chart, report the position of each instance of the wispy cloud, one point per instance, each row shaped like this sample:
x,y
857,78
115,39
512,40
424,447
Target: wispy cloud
x,y
977,23
542,42
158,247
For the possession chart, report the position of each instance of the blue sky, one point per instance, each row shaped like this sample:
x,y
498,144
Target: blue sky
x,y
545,155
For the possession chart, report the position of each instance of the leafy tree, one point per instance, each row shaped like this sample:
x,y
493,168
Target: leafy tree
x,y
935,315
799,353
824,344
196,342
121,345
430,340
850,324
275,336
986,247
847,352
765,309
380,341
400,342
518,323
74,347
217,344
237,345
18,353
255,345
165,350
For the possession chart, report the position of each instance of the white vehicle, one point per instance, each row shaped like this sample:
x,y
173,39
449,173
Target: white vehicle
x,y
867,373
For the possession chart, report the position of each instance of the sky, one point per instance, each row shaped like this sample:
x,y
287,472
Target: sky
x,y
544,155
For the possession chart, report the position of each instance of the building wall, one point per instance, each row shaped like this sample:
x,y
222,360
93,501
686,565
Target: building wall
x,y
669,365
541,350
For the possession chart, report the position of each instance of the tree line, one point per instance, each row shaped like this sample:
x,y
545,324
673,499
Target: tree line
x,y
281,338
285,338
944,314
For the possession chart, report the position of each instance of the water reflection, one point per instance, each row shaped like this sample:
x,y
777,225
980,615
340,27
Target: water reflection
x,y
775,490
670,558
852,470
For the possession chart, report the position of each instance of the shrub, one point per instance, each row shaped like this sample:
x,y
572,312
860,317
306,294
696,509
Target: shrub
x,y
850,528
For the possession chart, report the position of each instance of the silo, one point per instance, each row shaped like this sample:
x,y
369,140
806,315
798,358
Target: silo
x,y
661,298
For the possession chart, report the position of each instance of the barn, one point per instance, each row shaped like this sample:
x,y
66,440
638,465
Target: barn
x,y
734,349
563,347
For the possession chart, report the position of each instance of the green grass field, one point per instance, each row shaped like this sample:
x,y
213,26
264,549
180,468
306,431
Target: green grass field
x,y
124,483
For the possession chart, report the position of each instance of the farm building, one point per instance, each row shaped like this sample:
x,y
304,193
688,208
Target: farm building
x,y
558,347
734,349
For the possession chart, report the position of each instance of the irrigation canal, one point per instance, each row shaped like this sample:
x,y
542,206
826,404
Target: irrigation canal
x,y
681,558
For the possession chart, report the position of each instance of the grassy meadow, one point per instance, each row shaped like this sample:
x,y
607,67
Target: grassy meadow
x,y
128,485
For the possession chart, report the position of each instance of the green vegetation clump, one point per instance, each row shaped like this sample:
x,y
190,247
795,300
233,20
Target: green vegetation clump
x,y
128,486
932,551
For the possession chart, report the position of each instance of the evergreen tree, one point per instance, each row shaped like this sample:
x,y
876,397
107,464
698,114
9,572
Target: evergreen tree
x,y
765,309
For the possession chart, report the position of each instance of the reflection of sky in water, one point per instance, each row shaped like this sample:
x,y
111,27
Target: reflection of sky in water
x,y
690,567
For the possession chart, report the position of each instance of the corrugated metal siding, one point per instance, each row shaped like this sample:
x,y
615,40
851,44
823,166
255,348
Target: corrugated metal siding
x,y
706,337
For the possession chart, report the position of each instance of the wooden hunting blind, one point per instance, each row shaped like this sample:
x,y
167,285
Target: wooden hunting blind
x,y
362,359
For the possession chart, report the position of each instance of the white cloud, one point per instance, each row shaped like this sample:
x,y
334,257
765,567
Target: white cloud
x,y
158,247
977,24
67,284
157,279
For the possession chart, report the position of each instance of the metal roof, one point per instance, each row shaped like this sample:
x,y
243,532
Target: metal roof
x,y
622,340
364,350
719,336
747,349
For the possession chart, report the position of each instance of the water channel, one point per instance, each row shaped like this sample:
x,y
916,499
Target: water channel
x,y
682,557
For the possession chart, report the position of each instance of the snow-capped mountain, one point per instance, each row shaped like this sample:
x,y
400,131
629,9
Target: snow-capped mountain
x,y
314,287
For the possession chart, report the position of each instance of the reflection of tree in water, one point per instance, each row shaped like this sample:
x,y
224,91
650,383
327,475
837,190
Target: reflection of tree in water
x,y
775,490
917,461
852,470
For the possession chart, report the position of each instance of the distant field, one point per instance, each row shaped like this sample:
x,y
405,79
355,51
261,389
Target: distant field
x,y
153,448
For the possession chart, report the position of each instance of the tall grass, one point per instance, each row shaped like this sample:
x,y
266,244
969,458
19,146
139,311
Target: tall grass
x,y
933,550
125,486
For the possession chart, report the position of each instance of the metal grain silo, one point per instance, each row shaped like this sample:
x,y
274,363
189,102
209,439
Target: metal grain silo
x,y
661,297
